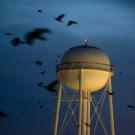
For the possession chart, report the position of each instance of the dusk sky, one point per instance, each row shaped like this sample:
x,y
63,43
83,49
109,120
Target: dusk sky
x,y
107,24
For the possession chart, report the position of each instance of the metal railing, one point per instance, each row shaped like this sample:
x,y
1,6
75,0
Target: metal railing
x,y
85,65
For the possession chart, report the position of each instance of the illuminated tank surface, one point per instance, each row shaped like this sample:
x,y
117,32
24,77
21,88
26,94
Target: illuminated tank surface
x,y
95,66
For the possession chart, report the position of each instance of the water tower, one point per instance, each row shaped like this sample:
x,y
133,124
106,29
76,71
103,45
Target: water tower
x,y
84,69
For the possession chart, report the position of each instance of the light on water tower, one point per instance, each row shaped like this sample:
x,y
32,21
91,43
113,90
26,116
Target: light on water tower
x,y
84,69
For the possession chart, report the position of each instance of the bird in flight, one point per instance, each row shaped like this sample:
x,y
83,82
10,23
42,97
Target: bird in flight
x,y
40,84
40,63
9,34
120,72
41,106
78,125
92,93
111,93
43,72
51,86
16,41
70,22
131,106
60,17
59,56
88,125
39,10
3,114
36,34
39,102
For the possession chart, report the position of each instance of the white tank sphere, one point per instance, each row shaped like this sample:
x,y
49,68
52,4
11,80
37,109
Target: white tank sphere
x,y
95,66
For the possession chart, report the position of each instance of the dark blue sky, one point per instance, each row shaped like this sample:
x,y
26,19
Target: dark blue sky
x,y
107,24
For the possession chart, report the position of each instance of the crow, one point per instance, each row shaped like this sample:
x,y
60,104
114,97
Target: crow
x,y
71,22
78,125
41,106
36,34
59,18
131,106
39,10
40,63
43,72
88,125
51,86
39,102
91,93
40,84
59,56
9,34
111,93
3,114
16,41
120,72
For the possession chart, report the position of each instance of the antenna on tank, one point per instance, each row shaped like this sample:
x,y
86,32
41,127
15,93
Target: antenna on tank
x,y
85,42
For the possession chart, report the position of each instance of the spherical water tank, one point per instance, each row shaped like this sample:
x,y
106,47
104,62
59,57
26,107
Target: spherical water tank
x,y
93,63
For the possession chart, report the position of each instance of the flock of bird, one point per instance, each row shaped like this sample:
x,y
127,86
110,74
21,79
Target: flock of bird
x,y
30,36
60,17
37,33
3,114
52,85
70,22
29,39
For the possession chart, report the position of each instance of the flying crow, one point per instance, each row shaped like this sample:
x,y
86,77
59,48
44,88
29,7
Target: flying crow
x,y
39,10
3,114
71,22
43,72
16,41
111,93
59,18
131,106
40,84
40,63
51,86
36,34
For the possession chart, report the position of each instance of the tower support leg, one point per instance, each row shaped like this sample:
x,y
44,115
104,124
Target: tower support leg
x,y
88,114
57,109
109,89
84,114
80,103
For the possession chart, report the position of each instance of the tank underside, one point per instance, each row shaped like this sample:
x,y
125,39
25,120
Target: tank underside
x,y
92,79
